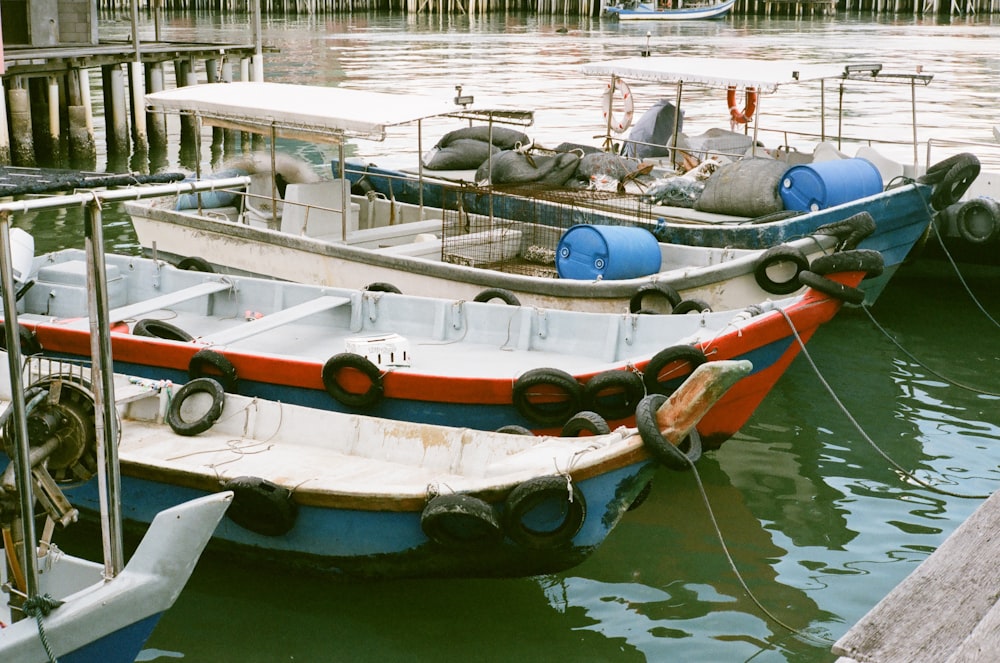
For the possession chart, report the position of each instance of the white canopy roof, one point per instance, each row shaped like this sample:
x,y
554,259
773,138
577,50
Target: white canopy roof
x,y
765,75
316,113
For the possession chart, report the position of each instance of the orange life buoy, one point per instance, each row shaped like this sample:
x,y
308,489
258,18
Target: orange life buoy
x,y
618,124
735,114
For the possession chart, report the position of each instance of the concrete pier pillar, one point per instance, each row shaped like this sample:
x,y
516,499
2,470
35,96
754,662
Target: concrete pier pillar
x,y
115,115
82,149
22,140
55,151
138,96
4,128
229,136
189,152
156,122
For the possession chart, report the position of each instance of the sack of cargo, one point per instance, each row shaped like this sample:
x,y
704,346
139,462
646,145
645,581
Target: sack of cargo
x,y
748,187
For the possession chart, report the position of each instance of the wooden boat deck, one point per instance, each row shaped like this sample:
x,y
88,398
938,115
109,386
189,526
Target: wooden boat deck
x,y
946,610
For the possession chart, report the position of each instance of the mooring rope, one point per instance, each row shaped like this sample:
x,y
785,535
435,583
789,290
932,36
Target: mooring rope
x,y
958,273
930,370
816,639
906,473
39,606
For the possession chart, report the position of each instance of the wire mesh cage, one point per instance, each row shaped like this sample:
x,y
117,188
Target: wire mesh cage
x,y
517,230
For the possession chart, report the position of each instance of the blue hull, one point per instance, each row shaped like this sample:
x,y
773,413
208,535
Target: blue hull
x,y
122,646
390,544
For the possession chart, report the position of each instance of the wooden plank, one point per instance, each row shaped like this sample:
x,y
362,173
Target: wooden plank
x,y
935,610
274,320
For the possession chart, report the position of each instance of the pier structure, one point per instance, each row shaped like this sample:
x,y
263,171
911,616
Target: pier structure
x,y
53,60
563,7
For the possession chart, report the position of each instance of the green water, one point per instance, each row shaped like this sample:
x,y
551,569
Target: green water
x,y
819,524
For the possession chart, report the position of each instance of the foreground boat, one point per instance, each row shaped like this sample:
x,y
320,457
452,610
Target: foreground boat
x,y
86,616
656,11
59,606
365,497
454,362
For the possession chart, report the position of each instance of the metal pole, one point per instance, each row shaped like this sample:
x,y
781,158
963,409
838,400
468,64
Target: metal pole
x,y
103,378
22,458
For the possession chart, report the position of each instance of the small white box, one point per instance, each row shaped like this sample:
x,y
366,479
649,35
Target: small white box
x,y
384,350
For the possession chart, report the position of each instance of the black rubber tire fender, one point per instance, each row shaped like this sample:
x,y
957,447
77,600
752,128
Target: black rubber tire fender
x,y
687,355
655,289
29,343
856,260
850,232
585,421
380,286
613,394
219,368
691,306
515,429
778,255
460,521
533,493
350,360
493,294
978,220
844,293
153,328
208,418
936,171
195,264
261,506
956,181
560,384
667,454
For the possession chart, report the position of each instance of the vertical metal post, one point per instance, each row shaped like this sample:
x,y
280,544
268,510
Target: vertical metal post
x,y
913,115
103,378
22,462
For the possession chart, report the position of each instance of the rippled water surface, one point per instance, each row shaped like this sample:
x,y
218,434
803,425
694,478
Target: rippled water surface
x,y
819,522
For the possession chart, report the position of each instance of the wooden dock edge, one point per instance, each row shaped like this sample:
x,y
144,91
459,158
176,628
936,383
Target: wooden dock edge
x,y
945,610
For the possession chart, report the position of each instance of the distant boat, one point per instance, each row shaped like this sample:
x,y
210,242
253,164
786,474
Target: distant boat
x,y
649,11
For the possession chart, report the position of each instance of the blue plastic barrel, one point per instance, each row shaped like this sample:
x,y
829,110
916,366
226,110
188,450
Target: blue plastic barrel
x,y
588,252
822,184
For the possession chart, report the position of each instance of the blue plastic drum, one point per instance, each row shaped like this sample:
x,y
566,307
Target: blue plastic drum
x,y
823,184
588,253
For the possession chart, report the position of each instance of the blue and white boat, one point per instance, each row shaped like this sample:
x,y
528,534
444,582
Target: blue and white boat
x,y
365,497
426,236
665,11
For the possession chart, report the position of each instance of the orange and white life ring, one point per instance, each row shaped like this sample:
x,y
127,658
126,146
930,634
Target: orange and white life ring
x,y
736,115
618,88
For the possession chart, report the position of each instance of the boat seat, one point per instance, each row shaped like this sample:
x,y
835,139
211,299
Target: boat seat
x,y
827,152
138,309
376,237
257,204
421,248
315,209
889,168
274,320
